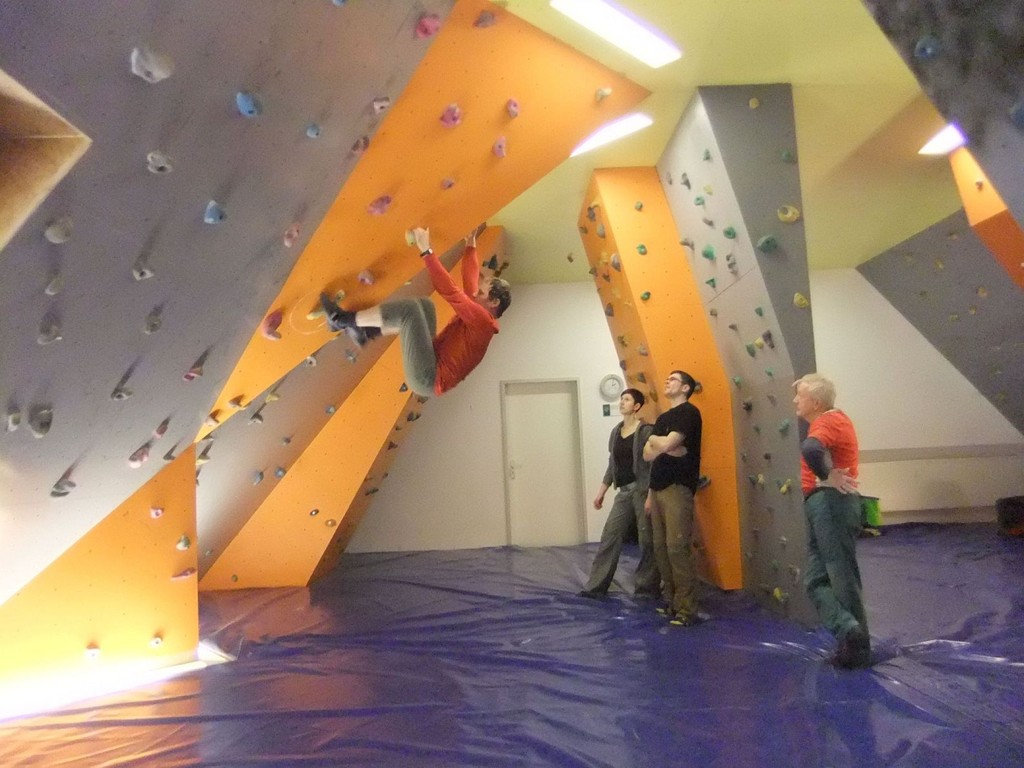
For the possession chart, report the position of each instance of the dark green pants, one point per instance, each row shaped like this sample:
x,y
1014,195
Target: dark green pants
x,y
832,577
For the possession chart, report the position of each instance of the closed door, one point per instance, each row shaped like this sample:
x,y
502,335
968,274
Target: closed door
x,y
543,463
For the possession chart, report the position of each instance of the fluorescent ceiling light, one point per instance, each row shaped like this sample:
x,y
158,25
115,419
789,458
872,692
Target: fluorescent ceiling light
x,y
620,30
944,142
612,131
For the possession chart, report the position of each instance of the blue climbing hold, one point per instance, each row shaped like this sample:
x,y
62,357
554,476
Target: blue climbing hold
x,y
927,48
249,104
313,131
1017,114
214,213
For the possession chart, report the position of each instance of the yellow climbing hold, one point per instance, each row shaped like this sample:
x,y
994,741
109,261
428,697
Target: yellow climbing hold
x,y
800,301
754,103
788,214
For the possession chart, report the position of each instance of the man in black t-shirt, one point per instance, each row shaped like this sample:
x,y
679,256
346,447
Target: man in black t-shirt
x,y
674,450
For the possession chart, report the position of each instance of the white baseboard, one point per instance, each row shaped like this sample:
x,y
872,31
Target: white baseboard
x,y
958,515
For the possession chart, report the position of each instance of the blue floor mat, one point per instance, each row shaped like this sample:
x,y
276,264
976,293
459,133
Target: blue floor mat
x,y
489,658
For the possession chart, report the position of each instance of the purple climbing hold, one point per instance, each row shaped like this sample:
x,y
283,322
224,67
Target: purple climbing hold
x,y
427,26
512,107
485,19
451,116
379,206
500,148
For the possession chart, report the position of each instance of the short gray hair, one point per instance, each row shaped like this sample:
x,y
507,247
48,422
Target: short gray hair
x,y
820,388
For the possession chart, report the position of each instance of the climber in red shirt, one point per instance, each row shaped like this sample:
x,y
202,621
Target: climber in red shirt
x,y
433,364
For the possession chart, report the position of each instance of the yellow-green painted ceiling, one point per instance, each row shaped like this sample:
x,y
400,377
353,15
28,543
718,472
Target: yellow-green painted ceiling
x,y
860,117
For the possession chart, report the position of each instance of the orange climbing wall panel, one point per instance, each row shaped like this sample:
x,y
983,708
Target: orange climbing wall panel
x,y
672,325
113,588
283,544
988,215
480,69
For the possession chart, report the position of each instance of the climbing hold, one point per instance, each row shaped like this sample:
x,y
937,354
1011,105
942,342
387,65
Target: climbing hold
x,y
760,479
784,427
771,398
290,236
313,131
767,244
270,325
733,327
161,428
447,183
759,311
769,373
257,415
121,392
800,301
212,419
140,457
788,214
711,281
642,350
698,200
747,404
645,296
361,145
638,205
1016,114
592,213
204,455
141,270
366,277
153,321
707,155
12,420
214,213
194,372
759,342
63,486
602,93
500,149
609,310
708,221
183,543
331,409
983,292
600,230
708,253
729,233
616,262
737,381
49,330
788,156
156,512
768,339
249,104
350,355
641,249
927,48
59,230
492,263
158,162
279,472
451,116
427,26
685,180
512,107
150,65
785,487
381,104
392,445
55,285
641,378
751,350
754,103
92,651
713,312
485,19
379,206
780,596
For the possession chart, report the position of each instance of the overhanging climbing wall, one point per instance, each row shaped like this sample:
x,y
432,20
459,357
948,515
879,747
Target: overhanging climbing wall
x,y
732,183
655,314
946,283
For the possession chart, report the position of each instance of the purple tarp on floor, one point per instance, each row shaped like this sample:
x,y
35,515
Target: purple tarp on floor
x,y
488,658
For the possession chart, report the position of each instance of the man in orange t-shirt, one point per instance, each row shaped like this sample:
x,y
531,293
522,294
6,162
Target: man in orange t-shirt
x,y
828,477
434,365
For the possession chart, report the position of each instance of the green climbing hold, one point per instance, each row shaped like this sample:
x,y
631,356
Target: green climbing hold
x,y
645,296
707,154
751,350
711,282
708,253
784,427
769,373
729,233
641,249
698,200
788,156
767,244
737,381
759,311
638,205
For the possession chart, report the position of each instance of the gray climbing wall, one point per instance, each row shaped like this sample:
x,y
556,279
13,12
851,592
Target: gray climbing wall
x,y
945,282
146,287
727,172
969,59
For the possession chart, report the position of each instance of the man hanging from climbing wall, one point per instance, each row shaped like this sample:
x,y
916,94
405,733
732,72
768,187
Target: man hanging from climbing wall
x,y
433,365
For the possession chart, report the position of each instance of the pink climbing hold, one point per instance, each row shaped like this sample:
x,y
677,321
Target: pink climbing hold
x,y
427,26
451,116
512,107
366,277
184,574
379,206
140,457
500,149
360,145
291,235
271,323
161,428
193,373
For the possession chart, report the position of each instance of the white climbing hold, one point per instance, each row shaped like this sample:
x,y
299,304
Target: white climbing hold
x,y
121,392
214,213
313,131
59,230
49,331
56,284
40,419
13,419
161,428
158,162
381,104
153,321
366,277
291,235
140,457
150,65
141,270
602,93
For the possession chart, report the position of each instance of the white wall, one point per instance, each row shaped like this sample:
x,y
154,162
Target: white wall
x,y
928,439
446,487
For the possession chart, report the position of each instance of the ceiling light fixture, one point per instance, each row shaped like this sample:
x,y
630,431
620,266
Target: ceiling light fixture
x,y
613,131
621,30
944,142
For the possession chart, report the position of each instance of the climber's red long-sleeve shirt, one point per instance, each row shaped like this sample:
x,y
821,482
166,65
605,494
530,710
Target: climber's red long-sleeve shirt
x,y
460,346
